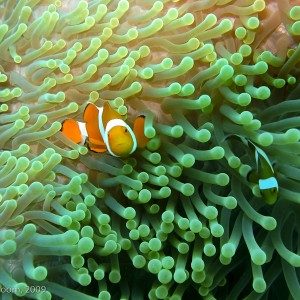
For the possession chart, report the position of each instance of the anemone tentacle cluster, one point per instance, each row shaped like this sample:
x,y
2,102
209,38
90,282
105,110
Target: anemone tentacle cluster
x,y
178,219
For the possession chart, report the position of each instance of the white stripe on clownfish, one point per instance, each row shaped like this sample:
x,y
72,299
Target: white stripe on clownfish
x,y
268,183
100,121
110,125
83,131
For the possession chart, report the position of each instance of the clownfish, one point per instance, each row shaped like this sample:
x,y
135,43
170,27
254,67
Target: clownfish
x,y
265,176
104,130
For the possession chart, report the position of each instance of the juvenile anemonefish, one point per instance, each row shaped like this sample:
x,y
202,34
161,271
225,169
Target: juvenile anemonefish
x,y
264,175
104,129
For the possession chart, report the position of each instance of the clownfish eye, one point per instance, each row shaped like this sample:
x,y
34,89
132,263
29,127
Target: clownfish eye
x,y
125,130
273,190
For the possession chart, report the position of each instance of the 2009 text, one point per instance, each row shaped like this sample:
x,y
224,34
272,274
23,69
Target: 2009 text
x,y
27,290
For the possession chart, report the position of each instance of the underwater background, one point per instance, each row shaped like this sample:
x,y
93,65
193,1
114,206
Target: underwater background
x,y
179,219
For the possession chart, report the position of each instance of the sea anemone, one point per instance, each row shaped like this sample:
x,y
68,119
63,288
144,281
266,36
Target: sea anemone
x,y
180,218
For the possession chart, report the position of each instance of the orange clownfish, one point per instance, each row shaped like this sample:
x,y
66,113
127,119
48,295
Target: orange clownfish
x,y
104,129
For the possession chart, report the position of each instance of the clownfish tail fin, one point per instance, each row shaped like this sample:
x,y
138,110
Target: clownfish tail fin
x,y
71,129
138,129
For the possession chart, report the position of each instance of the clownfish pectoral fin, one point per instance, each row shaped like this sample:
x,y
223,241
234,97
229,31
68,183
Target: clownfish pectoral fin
x,y
96,147
109,114
70,128
91,119
253,177
138,129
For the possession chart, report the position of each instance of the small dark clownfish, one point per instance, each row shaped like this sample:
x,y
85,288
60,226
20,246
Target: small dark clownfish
x,y
265,176
104,130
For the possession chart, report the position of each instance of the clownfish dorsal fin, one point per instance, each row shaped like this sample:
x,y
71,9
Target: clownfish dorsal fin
x,y
263,163
138,129
264,157
109,114
70,128
91,118
90,112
